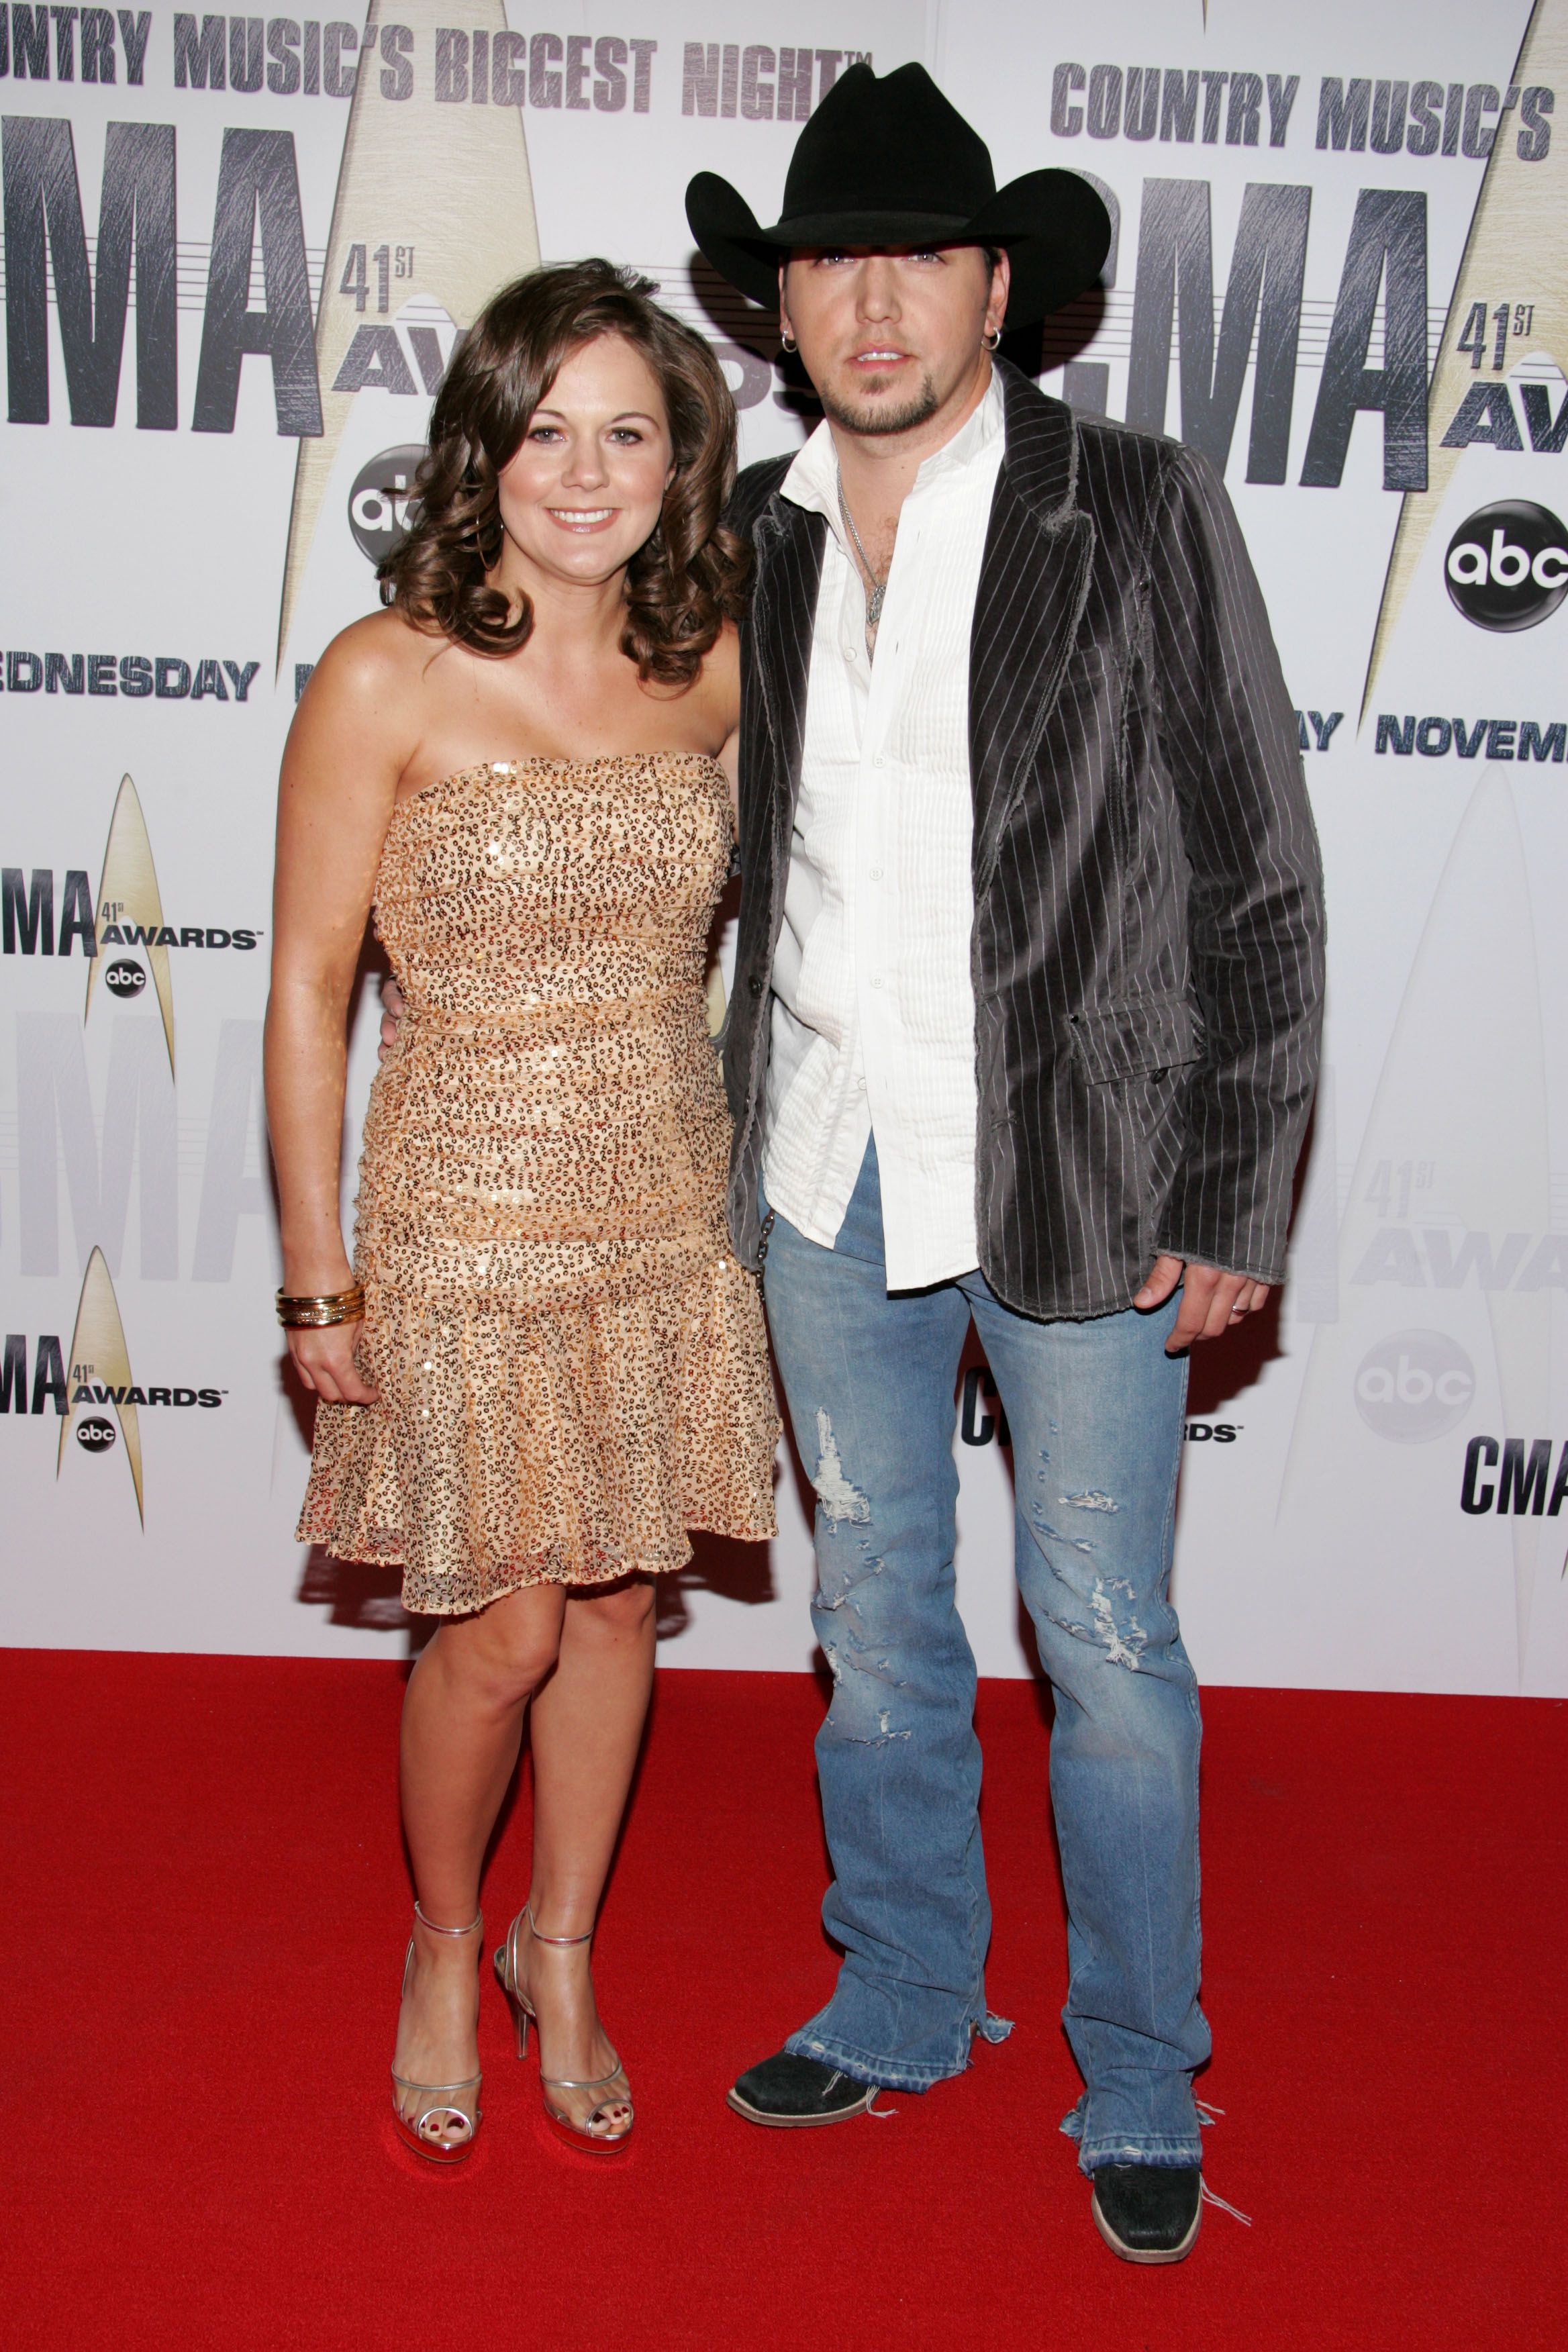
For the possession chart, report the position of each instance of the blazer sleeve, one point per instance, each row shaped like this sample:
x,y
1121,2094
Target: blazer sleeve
x,y
1255,883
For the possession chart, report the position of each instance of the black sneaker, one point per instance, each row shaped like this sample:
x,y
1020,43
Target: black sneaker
x,y
1148,2212
786,2092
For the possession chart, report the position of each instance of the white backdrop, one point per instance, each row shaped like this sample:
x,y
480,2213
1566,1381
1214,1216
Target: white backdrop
x,y
1342,269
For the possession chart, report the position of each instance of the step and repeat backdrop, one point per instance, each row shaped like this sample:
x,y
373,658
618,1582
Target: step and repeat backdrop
x,y
237,250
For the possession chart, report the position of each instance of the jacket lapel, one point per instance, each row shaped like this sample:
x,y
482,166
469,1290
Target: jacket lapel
x,y
789,542
1034,585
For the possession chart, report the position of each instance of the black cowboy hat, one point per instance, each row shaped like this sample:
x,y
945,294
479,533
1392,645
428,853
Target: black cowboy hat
x,y
889,162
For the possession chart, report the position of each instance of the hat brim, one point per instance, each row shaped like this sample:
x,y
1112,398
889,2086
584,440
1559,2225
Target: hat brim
x,y
1053,227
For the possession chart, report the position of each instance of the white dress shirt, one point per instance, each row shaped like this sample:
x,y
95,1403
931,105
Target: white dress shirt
x,y
873,1013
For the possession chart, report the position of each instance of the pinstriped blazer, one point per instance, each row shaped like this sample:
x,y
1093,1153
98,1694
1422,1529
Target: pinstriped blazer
x,y
1147,950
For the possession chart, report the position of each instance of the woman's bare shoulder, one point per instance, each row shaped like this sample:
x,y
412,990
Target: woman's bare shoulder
x,y
379,657
362,710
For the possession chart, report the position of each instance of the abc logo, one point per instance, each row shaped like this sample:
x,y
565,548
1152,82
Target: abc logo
x,y
125,978
1507,565
378,502
1414,1386
94,1436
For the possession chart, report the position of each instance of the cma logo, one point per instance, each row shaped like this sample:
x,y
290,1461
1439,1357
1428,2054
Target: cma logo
x,y
1523,1483
100,1377
1414,1386
1507,566
129,914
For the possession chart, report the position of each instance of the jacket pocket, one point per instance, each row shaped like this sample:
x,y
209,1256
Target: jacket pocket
x,y
1136,1038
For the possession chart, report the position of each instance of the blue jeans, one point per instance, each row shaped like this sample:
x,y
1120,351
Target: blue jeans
x,y
1096,1411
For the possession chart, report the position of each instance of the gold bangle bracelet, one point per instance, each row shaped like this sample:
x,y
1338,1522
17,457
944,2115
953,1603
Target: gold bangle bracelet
x,y
326,1308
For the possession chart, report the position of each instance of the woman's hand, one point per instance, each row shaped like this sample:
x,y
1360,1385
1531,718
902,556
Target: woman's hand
x,y
324,1359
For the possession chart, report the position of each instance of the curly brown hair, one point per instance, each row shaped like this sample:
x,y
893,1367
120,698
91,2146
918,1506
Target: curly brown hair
x,y
682,583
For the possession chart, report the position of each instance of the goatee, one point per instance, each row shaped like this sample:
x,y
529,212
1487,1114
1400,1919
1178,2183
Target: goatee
x,y
872,418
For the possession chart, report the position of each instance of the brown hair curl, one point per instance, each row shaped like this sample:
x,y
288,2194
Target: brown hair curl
x,y
682,583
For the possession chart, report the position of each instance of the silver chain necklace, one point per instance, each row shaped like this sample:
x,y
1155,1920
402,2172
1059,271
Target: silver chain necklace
x,y
879,588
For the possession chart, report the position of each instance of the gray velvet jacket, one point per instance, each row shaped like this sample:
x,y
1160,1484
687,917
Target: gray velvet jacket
x,y
1147,951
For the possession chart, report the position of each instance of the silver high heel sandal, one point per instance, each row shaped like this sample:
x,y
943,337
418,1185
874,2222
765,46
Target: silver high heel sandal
x,y
580,2135
446,2116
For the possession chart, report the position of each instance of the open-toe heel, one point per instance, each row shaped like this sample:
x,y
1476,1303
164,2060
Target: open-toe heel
x,y
600,2142
439,2121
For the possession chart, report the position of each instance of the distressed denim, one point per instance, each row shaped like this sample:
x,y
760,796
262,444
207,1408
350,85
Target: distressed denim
x,y
1096,1414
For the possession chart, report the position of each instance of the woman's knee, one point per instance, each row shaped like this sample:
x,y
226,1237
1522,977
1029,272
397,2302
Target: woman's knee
x,y
618,1610
504,1655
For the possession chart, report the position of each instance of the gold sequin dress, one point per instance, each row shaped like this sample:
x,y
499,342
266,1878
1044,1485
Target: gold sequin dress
x,y
572,1368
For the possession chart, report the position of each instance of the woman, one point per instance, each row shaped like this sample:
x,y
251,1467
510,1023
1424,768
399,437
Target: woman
x,y
546,1364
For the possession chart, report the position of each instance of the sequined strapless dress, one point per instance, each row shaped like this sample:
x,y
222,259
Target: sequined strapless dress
x,y
572,1368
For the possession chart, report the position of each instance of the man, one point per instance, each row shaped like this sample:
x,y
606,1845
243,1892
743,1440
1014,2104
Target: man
x,y
1023,1029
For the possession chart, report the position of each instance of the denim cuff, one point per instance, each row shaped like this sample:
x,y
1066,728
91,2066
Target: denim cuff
x,y
890,2073
1149,2147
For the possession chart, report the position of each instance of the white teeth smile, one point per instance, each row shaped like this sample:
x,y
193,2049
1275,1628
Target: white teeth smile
x,y
582,514
879,355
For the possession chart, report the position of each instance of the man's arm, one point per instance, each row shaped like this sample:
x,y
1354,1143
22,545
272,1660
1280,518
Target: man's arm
x,y
1255,904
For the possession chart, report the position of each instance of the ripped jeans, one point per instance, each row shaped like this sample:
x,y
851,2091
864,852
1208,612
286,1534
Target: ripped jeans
x,y
1096,1411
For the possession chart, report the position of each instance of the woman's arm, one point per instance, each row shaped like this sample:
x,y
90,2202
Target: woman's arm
x,y
338,785
721,677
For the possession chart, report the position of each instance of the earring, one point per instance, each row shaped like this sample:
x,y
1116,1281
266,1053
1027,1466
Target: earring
x,y
787,341
992,338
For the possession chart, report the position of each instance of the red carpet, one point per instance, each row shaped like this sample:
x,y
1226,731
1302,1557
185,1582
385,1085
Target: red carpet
x,y
205,1916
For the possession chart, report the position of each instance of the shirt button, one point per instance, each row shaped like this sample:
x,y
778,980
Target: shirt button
x,y
876,983
875,873
755,985
879,762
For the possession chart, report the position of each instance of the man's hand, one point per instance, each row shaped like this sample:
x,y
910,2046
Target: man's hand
x,y
392,1010
1211,1301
